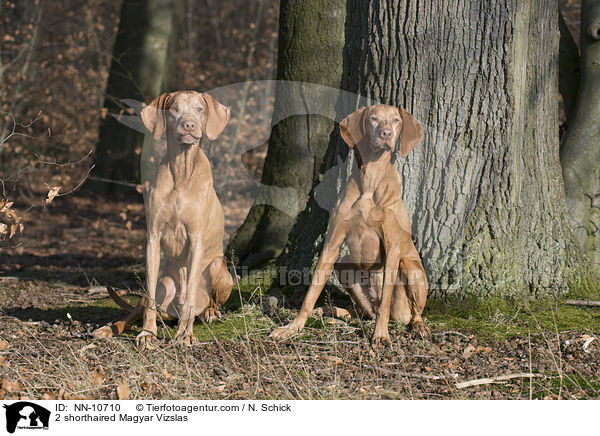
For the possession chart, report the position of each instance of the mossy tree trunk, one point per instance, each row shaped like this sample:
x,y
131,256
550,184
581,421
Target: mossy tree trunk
x,y
580,151
138,71
484,189
311,39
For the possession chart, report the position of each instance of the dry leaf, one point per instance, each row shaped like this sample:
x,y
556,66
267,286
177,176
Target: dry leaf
x,y
6,206
48,396
11,387
2,360
335,360
97,378
3,345
52,193
123,390
468,352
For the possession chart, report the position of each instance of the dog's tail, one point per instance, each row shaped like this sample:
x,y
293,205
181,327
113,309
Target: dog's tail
x,y
117,299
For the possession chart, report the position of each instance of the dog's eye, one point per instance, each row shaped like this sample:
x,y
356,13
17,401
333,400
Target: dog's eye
x,y
373,118
200,109
396,120
176,109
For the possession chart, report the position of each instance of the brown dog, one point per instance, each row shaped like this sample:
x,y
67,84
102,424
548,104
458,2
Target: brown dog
x,y
185,220
371,218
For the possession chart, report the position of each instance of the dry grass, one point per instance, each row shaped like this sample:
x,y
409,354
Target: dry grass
x,y
330,360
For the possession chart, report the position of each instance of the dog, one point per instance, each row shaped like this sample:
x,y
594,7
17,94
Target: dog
x,y
184,219
383,272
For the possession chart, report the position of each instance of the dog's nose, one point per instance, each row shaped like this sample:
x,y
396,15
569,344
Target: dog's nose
x,y
189,125
385,134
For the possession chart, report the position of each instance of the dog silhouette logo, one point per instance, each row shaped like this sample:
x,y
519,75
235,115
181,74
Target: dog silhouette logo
x,y
26,415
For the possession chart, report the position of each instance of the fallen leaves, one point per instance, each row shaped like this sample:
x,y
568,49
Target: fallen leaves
x,y
3,345
97,378
468,352
11,386
123,391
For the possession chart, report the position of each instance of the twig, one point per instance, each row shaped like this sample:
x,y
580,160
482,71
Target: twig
x,y
500,378
584,303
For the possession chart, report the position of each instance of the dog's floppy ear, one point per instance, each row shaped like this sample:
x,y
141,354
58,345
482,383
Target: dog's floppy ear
x,y
412,133
217,116
352,128
154,116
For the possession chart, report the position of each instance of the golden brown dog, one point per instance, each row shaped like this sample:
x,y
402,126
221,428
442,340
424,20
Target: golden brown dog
x,y
383,272
184,219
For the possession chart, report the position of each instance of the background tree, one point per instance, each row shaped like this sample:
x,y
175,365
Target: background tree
x,y
580,151
138,71
484,190
569,67
311,40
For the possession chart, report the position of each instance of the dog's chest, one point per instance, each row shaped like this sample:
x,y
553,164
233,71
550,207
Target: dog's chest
x,y
178,218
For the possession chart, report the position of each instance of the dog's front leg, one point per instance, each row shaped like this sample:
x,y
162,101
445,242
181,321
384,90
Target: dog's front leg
x,y
337,229
382,336
192,305
392,235
322,271
152,266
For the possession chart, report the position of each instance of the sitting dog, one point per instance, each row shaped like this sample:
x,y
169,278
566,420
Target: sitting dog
x,y
184,219
383,272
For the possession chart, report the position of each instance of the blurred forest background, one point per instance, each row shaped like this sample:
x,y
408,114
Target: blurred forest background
x,y
55,58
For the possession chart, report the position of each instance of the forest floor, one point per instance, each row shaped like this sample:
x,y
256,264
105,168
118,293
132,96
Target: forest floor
x,y
52,298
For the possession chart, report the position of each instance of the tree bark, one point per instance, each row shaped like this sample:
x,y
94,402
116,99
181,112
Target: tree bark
x,y
580,151
483,190
311,39
138,72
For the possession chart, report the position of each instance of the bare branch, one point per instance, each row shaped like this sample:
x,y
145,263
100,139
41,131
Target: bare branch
x,y
500,378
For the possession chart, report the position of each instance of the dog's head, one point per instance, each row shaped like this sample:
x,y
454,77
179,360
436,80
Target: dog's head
x,y
378,127
185,116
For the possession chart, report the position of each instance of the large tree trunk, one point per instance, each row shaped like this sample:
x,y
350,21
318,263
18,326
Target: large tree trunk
x,y
311,39
484,190
580,151
138,72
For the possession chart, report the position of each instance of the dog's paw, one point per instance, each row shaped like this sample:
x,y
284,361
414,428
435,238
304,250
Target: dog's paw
x,y
185,333
103,332
186,339
420,329
209,315
285,332
145,338
381,338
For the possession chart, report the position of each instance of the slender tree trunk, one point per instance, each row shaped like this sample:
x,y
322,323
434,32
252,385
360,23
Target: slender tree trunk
x,y
580,151
311,38
138,71
483,191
